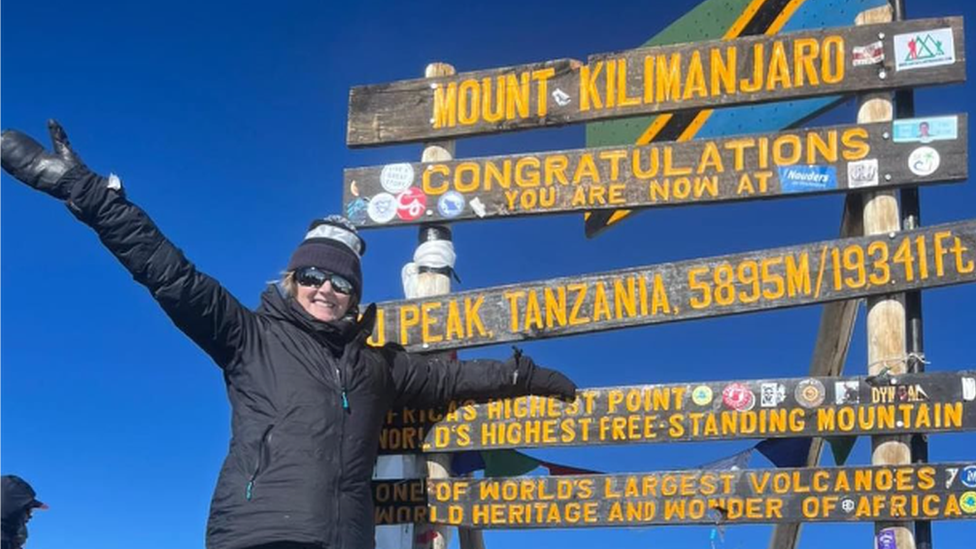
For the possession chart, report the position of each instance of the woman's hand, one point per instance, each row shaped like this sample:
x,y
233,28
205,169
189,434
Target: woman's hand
x,y
29,162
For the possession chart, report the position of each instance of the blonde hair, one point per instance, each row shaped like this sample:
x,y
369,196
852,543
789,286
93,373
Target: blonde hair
x,y
289,284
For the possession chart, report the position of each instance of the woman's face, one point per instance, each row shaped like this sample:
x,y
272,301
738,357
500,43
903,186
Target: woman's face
x,y
323,302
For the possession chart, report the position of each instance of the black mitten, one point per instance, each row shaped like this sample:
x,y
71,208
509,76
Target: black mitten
x,y
538,380
28,161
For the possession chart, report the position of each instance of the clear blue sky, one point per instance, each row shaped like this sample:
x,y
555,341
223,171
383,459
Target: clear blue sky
x,y
226,121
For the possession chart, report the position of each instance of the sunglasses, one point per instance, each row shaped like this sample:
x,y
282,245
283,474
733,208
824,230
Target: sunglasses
x,y
314,278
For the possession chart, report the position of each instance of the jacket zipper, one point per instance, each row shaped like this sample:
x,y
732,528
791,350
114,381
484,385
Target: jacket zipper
x,y
265,441
342,389
342,436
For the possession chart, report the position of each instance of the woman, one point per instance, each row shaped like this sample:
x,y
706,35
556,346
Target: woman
x,y
307,395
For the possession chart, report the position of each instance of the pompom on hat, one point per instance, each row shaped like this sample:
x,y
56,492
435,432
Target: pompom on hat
x,y
332,244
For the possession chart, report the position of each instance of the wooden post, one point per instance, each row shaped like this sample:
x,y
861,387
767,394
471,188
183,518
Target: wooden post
x,y
433,284
829,356
885,313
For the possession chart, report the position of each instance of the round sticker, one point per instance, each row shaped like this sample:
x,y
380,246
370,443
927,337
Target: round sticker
x,y
847,505
411,204
451,204
809,393
702,395
356,211
924,161
382,208
968,502
738,397
968,476
396,178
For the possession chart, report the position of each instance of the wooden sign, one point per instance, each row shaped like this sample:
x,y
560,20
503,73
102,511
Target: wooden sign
x,y
788,164
660,79
694,412
730,284
837,494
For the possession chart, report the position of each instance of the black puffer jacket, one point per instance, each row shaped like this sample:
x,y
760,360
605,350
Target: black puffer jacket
x,y
308,398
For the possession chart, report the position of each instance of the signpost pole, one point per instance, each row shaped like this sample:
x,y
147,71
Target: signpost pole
x,y
434,283
885,313
829,356
911,219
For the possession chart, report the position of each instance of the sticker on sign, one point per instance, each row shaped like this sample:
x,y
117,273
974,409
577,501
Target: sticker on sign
x,y
925,130
862,173
805,179
968,476
872,54
924,161
929,48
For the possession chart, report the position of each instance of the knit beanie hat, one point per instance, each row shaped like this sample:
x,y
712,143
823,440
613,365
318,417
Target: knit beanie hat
x,y
332,244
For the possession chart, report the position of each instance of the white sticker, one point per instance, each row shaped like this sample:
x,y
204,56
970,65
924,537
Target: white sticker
x,y
396,178
382,208
477,206
771,394
951,473
924,161
926,48
862,173
847,392
872,54
562,98
968,389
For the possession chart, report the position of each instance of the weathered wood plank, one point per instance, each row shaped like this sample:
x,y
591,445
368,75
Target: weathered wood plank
x,y
724,285
750,496
750,167
694,412
661,79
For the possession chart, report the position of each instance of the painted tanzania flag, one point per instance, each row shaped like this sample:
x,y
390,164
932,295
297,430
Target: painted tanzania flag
x,y
710,20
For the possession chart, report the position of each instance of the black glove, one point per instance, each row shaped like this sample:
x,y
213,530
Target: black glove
x,y
28,161
538,380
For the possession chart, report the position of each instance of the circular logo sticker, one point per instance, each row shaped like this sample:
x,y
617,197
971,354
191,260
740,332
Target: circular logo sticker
x,y
356,211
411,204
809,393
382,208
451,204
702,395
968,502
847,505
396,178
738,397
968,476
924,161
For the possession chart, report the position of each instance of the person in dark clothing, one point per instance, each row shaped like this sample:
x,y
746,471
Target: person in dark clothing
x,y
19,502
307,395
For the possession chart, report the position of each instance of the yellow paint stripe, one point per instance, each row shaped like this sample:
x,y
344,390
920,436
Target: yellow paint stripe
x,y
695,125
736,29
784,16
655,128
616,216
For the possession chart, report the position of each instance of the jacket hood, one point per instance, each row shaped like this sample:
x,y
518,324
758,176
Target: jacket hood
x,y
336,334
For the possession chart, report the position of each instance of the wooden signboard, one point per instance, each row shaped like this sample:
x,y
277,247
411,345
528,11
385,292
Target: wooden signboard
x,y
694,412
787,164
661,79
731,284
838,494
